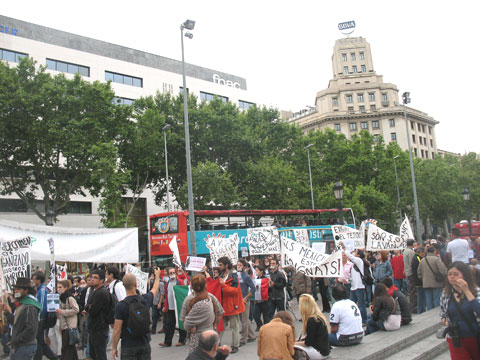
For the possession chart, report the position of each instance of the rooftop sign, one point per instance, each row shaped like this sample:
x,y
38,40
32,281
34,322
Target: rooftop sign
x,y
7,30
347,27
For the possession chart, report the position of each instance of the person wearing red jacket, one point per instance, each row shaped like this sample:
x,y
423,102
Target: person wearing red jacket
x,y
232,301
399,271
169,308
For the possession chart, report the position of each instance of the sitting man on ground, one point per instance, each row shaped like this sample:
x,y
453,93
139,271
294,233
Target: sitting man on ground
x,y
345,319
208,348
394,292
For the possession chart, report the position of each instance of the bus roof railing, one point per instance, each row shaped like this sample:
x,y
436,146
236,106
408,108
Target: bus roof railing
x,y
222,213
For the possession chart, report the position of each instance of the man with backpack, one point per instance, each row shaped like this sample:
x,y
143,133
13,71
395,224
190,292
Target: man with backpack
x,y
99,310
132,320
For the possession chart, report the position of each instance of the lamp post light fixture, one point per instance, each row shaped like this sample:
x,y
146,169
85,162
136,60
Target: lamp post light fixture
x,y
466,197
189,25
310,173
396,182
338,191
165,128
50,217
406,100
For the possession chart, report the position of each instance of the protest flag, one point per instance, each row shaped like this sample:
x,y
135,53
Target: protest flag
x,y
261,289
180,292
176,254
215,288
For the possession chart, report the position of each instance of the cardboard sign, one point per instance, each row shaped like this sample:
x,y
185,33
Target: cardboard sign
x,y
221,246
263,240
195,263
142,278
53,302
301,236
176,254
351,238
16,261
310,262
406,230
379,239
52,284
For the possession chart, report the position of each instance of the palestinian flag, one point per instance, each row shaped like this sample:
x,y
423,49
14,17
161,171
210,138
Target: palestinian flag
x,y
180,292
261,289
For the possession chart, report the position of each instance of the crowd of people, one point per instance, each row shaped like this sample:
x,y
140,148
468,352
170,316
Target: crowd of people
x,y
378,292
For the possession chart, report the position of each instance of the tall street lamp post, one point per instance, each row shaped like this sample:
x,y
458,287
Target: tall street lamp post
x,y
396,182
406,100
165,128
310,173
466,197
338,191
188,25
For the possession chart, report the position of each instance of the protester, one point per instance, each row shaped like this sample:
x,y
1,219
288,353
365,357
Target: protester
x,y
208,348
277,284
382,267
276,339
68,320
346,280
357,290
301,283
232,301
248,290
398,268
262,306
345,319
394,292
115,285
432,272
97,307
157,302
408,255
386,313
419,255
42,291
459,306
169,311
24,324
457,249
133,329
201,311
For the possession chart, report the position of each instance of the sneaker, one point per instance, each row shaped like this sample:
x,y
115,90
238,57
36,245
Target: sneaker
x,y
234,350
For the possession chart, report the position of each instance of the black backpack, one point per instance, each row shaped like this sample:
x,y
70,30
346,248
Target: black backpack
x,y
110,314
138,321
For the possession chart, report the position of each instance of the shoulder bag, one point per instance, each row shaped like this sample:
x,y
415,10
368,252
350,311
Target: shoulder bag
x,y
467,320
439,277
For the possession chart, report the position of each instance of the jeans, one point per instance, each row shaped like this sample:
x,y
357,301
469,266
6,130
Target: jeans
x,y
262,308
276,305
5,340
98,344
368,294
358,297
25,352
432,297
373,326
136,353
155,316
169,327
420,299
42,348
401,284
332,340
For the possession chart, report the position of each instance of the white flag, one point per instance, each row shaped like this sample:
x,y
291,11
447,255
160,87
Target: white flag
x,y
406,230
176,254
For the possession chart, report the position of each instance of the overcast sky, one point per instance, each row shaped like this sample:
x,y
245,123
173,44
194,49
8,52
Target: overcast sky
x,y
284,48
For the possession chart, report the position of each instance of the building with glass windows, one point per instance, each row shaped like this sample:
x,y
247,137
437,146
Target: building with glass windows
x,y
357,99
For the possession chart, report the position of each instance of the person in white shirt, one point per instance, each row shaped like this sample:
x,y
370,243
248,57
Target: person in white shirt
x,y
458,248
345,319
115,285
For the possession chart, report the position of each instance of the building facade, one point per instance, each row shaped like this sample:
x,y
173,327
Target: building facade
x,y
357,99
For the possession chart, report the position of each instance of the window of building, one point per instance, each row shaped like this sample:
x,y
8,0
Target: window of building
x,y
391,122
354,68
245,105
123,79
362,55
375,124
373,108
167,88
204,96
421,152
17,205
12,56
345,69
415,152
68,67
431,142
338,127
384,97
419,127
12,205
349,98
350,110
426,154
414,139
376,138
360,97
181,90
335,101
80,207
364,68
344,57
423,129
430,130
353,126
362,109
393,136
433,155
352,55
412,125
122,101
371,96
364,125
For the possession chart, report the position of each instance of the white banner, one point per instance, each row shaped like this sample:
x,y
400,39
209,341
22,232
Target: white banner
x,y
195,263
310,262
301,236
379,239
142,278
406,230
263,240
351,238
319,246
176,254
16,261
220,246
62,272
52,284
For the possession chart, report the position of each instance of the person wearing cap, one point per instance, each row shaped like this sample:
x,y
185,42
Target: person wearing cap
x,y
24,321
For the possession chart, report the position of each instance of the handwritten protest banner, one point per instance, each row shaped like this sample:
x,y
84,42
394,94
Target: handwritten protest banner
x,y
221,246
176,254
319,246
52,284
310,262
142,278
195,263
301,236
263,240
406,230
62,272
16,261
352,239
379,239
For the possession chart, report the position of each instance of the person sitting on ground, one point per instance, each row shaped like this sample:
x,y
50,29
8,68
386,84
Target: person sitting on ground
x,y
275,339
394,292
345,319
385,314
208,348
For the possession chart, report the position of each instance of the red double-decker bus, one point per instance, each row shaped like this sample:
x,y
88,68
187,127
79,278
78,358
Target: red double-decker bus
x,y
465,230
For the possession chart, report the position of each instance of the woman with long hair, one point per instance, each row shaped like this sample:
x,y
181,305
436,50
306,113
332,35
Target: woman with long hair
x,y
67,316
460,310
201,311
315,329
386,313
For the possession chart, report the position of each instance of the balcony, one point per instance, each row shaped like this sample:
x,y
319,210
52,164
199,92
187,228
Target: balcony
x,y
385,103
